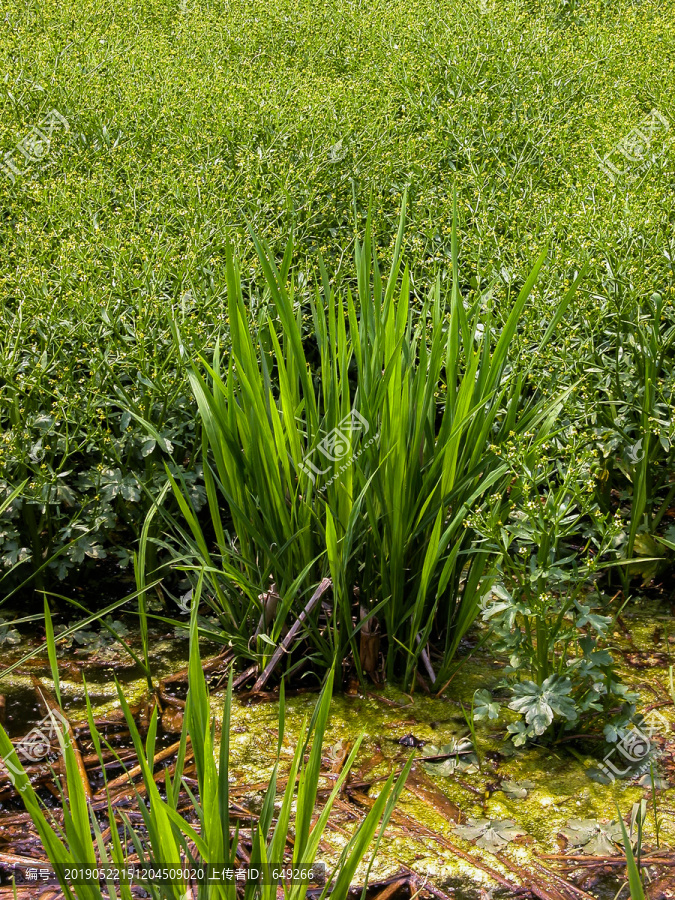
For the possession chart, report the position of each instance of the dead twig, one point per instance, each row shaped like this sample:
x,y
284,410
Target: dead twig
x,y
287,642
426,661
604,860
128,777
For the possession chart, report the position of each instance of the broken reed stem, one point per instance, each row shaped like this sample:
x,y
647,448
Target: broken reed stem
x,y
292,632
127,777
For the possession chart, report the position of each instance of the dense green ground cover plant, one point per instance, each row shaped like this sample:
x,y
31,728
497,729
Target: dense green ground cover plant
x,y
303,115
72,433
546,608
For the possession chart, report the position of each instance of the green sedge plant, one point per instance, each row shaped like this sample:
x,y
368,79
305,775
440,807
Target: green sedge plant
x,y
359,462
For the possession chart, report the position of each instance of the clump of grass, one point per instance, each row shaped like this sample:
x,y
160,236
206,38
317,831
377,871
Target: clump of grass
x,y
362,467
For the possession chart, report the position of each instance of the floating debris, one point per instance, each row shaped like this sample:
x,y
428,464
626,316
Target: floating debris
x,y
490,834
595,838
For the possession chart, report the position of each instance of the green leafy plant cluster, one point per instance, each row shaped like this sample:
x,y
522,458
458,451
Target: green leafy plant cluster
x,y
436,394
84,427
545,609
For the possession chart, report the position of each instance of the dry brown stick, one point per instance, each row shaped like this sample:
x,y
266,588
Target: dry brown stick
x,y
17,818
292,632
387,701
169,699
482,795
423,883
114,717
36,775
338,765
659,704
121,796
53,790
426,660
566,884
49,704
604,860
9,859
22,893
108,757
213,662
392,888
241,812
28,893
548,893
132,773
244,676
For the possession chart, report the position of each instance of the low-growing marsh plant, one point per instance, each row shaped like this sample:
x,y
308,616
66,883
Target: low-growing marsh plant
x,y
363,466
170,838
544,607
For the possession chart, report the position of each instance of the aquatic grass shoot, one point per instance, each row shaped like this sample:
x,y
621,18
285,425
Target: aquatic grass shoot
x,y
634,877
